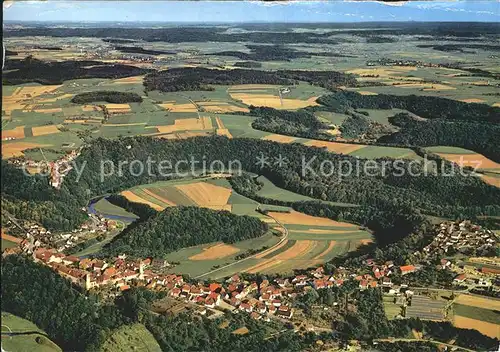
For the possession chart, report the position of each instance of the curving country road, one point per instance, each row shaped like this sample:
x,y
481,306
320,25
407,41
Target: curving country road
x,y
284,238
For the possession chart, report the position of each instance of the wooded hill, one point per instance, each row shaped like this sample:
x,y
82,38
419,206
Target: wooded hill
x,y
34,70
437,121
198,78
454,196
179,227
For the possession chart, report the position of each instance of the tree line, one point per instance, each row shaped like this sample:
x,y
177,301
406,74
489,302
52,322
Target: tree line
x,y
34,70
199,78
347,179
178,227
107,96
275,53
427,107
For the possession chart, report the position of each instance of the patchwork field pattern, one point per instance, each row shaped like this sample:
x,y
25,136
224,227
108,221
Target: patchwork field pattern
x,y
268,95
165,194
480,313
311,240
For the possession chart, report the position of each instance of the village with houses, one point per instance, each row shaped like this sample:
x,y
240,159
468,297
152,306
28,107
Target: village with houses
x,y
276,297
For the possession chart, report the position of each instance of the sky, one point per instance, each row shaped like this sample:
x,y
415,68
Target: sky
x,y
251,11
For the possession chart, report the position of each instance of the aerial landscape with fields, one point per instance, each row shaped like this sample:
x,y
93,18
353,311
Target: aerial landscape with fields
x,y
266,176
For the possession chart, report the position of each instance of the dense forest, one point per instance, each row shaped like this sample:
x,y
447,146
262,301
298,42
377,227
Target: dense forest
x,y
180,227
478,136
107,96
460,47
275,53
388,224
178,79
247,64
309,171
427,107
34,70
140,50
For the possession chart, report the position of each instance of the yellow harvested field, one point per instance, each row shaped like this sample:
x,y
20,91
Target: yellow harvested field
x,y
15,133
206,194
326,251
174,107
224,132
472,160
299,249
365,92
496,105
43,130
480,302
195,124
473,100
241,331
273,101
279,138
221,129
48,111
22,97
113,108
382,72
125,124
271,250
220,250
182,135
135,198
341,148
221,107
494,181
488,329
296,218
158,197
75,121
91,108
11,149
34,91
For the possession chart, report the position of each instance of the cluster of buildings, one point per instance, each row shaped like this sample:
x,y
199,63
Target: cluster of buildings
x,y
60,168
40,236
400,62
463,237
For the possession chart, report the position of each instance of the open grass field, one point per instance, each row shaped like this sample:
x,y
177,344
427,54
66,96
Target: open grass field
x,y
270,190
268,95
133,337
35,341
479,302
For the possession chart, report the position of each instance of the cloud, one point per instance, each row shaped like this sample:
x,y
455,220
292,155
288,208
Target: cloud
x,y
396,3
